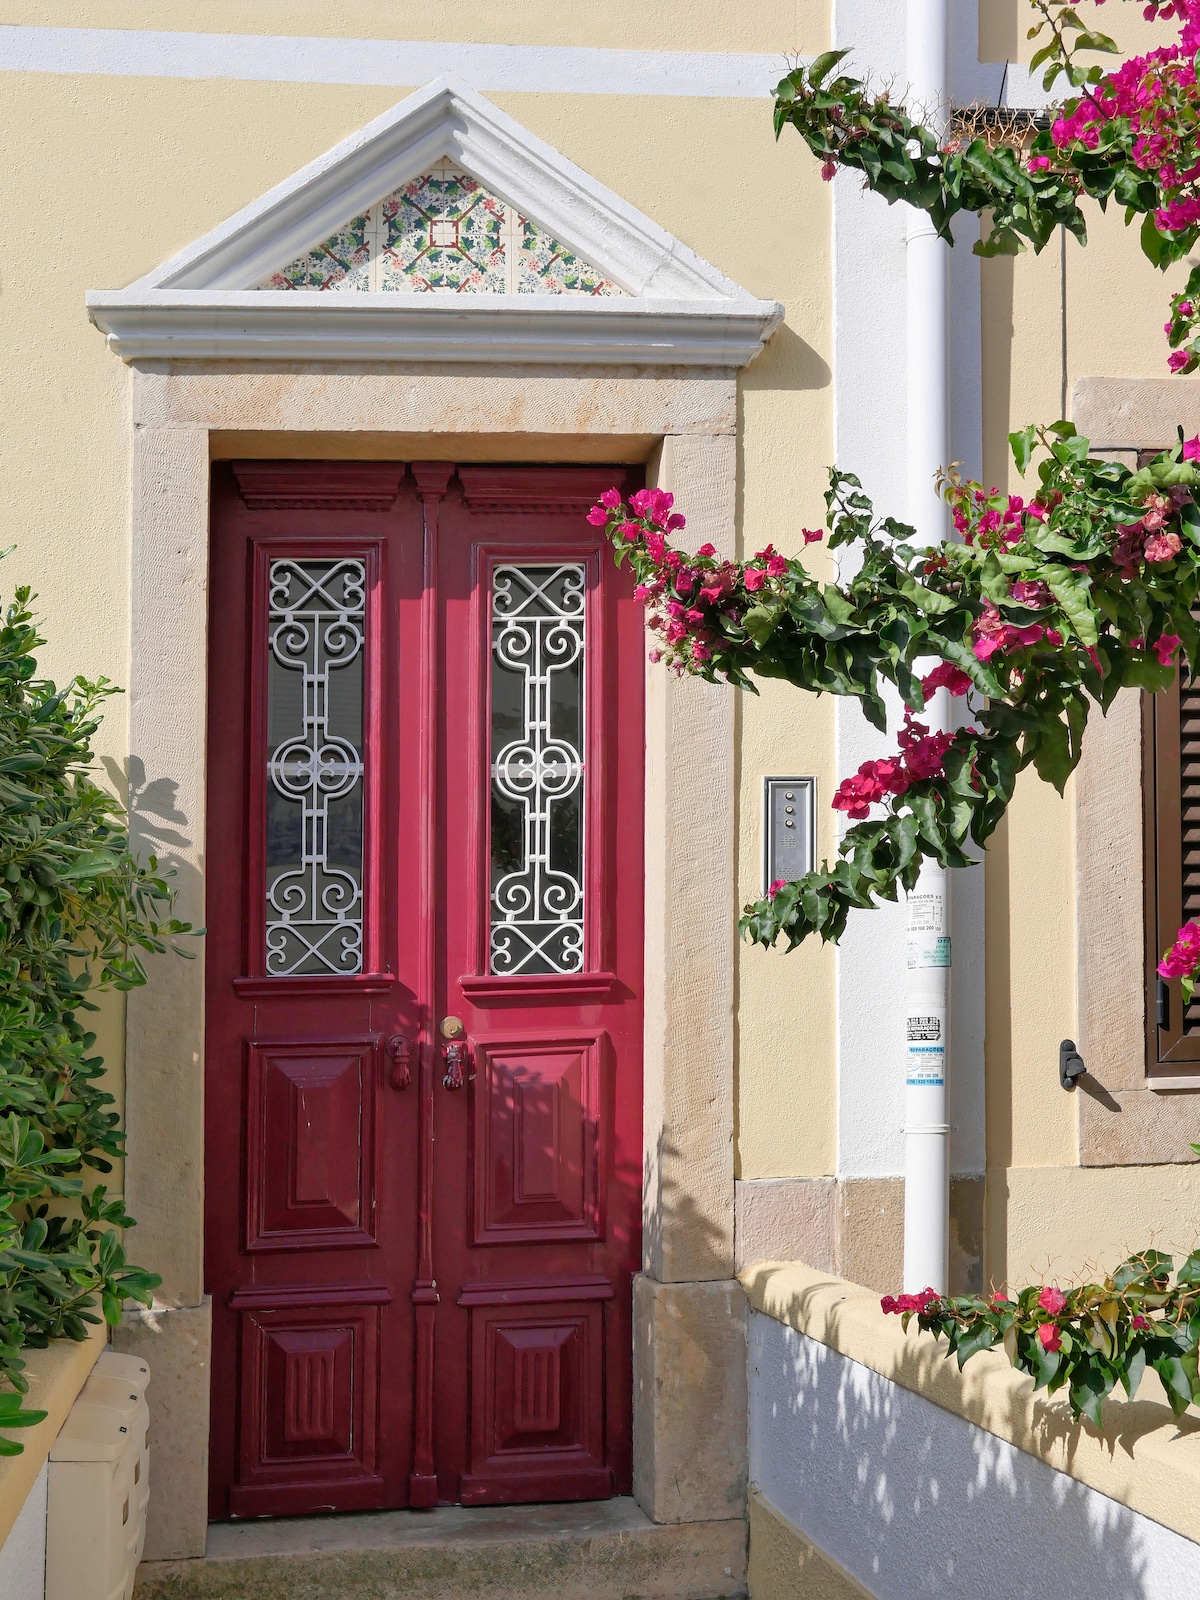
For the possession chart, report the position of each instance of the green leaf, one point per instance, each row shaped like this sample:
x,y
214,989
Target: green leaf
x,y
1088,40
1134,1370
824,64
1071,592
1022,444
760,621
1175,1380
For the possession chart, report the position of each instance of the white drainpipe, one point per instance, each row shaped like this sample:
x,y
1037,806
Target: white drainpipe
x,y
927,1130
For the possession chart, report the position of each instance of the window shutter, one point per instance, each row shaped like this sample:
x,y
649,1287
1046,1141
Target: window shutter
x,y
1171,763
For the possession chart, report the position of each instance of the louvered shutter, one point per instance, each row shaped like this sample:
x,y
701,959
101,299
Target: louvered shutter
x,y
1171,787
1171,761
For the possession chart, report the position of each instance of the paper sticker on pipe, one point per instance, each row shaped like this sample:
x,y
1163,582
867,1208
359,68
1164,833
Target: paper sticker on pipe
x,y
928,950
926,1050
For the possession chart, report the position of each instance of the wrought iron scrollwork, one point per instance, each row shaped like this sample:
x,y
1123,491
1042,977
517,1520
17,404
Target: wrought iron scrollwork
x,y
538,768
316,635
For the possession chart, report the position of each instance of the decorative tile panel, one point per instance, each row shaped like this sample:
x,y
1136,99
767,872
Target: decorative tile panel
x,y
547,267
443,233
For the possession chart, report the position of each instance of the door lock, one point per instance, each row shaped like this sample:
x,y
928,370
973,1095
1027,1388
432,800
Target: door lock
x,y
452,1028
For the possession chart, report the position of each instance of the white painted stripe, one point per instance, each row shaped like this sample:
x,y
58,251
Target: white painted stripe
x,y
273,58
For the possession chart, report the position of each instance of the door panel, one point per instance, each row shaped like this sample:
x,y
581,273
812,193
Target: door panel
x,y
536,1138
310,1144
425,754
542,759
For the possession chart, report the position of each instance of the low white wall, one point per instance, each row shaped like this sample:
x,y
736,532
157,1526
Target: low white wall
x,y
23,1554
914,1501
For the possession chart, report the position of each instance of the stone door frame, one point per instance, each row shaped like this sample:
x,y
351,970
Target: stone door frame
x,y
689,1338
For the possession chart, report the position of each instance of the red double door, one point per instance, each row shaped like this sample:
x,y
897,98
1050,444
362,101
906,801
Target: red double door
x,y
424,954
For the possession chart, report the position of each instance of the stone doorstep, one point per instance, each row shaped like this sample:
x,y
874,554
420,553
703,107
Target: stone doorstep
x,y
600,1550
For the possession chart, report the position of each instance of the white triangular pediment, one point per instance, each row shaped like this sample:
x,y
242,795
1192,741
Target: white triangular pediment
x,y
442,200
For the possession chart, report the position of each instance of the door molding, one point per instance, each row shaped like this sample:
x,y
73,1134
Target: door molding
x,y
688,1201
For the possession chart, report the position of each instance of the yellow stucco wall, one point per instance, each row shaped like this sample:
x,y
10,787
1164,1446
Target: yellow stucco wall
x,y
154,164
104,177
1115,305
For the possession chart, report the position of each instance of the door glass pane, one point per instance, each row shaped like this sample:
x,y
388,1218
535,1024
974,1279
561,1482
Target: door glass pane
x,y
537,768
315,767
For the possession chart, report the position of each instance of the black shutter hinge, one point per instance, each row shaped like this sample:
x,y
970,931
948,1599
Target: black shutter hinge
x,y
1164,1003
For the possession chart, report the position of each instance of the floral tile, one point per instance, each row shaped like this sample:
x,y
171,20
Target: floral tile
x,y
342,262
547,267
443,233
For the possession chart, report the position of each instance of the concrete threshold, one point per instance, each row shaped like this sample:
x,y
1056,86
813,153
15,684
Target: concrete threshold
x,y
597,1550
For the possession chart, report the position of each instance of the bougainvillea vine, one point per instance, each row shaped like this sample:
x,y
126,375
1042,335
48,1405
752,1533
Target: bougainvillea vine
x,y
1049,604
1130,136
1085,1339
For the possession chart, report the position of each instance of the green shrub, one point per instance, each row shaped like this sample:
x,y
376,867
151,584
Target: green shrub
x,y
77,913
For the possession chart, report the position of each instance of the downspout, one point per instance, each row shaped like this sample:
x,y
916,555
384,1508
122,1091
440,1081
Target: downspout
x,y
927,1129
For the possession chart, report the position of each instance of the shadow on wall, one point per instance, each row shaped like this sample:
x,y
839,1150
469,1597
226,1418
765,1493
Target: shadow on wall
x,y
156,828
914,1501
680,1241
787,362
154,816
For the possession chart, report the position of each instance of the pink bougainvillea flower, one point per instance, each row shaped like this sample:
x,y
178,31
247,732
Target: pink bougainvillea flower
x,y
924,752
1031,594
829,170
597,516
1177,360
873,782
775,888
999,1299
992,633
700,651
611,498
1184,955
888,1303
1165,648
946,676
776,566
1163,546
1140,1323
656,546
1191,447
1052,1299
1051,1337
707,550
754,579
813,535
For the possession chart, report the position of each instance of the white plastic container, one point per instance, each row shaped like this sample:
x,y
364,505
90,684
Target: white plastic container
x,y
99,1486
